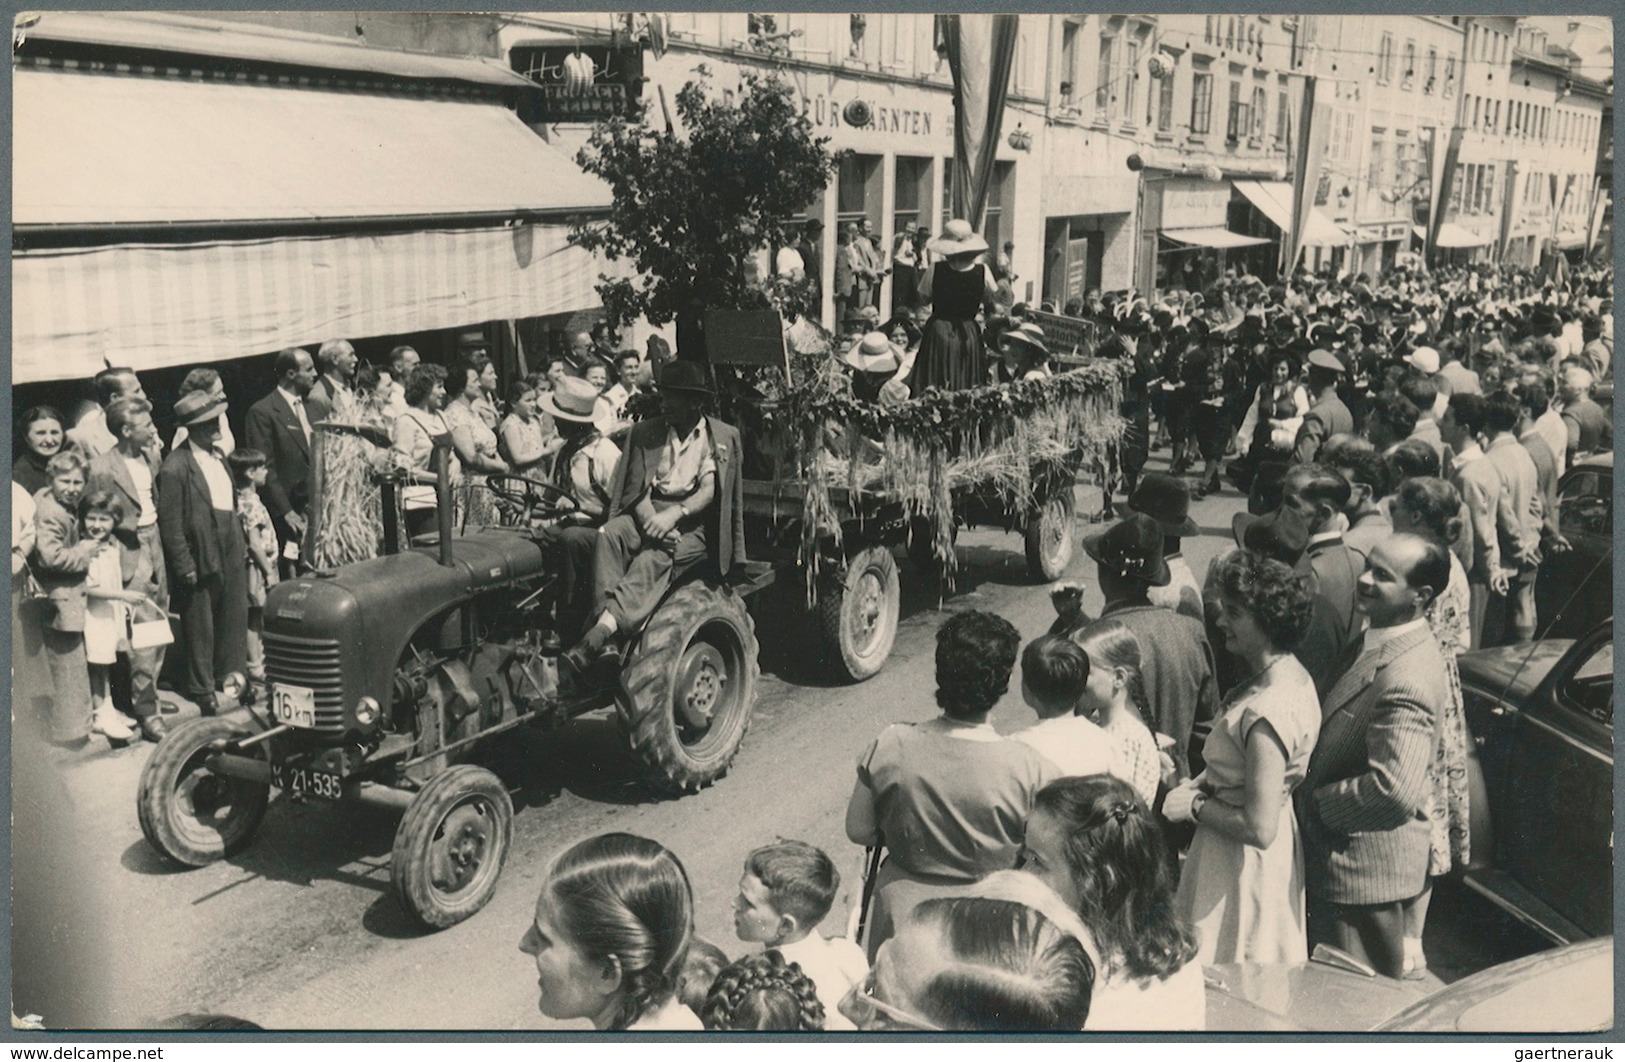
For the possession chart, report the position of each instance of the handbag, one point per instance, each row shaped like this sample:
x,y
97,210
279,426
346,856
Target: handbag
x,y
150,634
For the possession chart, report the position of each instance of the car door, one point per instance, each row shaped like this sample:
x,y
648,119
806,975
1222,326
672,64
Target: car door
x,y
1555,834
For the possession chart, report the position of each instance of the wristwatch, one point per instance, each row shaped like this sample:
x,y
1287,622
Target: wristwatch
x,y
1198,802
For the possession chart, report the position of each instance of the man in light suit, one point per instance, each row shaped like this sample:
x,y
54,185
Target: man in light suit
x,y
130,470
279,426
1365,800
676,499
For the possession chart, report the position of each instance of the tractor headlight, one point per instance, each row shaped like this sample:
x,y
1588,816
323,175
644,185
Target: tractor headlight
x,y
234,686
366,711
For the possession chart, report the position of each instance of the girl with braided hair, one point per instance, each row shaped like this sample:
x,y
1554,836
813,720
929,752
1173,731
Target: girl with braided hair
x,y
612,929
763,993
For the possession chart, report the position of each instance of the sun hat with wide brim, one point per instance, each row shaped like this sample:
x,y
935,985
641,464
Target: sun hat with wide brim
x,y
873,353
683,376
198,407
957,238
572,399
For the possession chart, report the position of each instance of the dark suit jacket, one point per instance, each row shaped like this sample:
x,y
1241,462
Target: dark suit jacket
x,y
725,519
109,472
273,429
186,519
1364,801
58,564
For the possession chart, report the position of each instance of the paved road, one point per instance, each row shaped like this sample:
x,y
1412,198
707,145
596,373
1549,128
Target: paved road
x,y
301,931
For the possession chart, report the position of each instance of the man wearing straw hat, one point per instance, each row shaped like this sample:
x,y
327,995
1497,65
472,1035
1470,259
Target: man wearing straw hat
x,y
584,469
677,499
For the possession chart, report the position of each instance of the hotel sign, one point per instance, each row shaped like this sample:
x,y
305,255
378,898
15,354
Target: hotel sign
x,y
586,84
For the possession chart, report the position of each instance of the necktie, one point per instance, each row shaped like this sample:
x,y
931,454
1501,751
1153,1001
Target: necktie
x,y
304,422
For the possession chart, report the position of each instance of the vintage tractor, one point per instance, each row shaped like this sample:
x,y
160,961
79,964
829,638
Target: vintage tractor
x,y
387,676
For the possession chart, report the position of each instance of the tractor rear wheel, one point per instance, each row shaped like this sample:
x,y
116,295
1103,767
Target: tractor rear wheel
x,y
688,687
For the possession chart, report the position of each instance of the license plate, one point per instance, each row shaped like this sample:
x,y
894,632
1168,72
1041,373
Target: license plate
x,y
307,781
294,705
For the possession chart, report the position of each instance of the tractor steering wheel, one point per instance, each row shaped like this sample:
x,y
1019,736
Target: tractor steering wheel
x,y
534,499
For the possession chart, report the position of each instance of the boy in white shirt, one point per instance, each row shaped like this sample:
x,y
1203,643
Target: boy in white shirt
x,y
786,890
1054,674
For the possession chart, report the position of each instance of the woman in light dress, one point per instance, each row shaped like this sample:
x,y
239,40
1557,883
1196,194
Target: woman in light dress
x,y
1242,884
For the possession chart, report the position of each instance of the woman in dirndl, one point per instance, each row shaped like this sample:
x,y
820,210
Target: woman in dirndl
x,y
957,286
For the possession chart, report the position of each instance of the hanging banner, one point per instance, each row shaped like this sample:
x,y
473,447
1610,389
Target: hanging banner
x,y
1599,207
1441,191
981,52
1309,155
1509,201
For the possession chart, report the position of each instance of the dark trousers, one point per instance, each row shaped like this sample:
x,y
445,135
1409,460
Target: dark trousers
x,y
571,554
214,619
1510,618
1374,933
145,664
629,578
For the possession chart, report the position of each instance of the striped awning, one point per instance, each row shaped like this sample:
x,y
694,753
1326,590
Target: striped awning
x,y
1274,200
149,306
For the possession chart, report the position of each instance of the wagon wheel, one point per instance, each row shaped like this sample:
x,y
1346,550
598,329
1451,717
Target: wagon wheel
x,y
859,618
1049,535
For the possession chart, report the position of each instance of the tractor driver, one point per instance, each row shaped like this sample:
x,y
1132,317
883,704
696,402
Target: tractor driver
x,y
677,499
583,469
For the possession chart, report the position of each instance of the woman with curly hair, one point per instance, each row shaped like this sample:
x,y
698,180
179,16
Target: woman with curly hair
x,y
947,798
1431,507
763,993
612,930
1099,847
1242,885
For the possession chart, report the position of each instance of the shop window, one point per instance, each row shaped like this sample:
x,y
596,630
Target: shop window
x,y
1201,102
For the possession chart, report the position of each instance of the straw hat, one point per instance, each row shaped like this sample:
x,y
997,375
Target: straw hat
x,y
957,238
572,399
196,407
873,353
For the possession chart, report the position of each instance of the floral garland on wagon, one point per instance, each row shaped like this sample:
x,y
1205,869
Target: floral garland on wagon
x,y
989,439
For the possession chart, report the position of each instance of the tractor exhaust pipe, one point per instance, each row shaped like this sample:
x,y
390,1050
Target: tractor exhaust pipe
x,y
442,491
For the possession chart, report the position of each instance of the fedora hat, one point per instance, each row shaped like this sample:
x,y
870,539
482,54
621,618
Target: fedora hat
x,y
1167,501
196,407
1281,535
1130,548
957,238
873,353
683,376
573,399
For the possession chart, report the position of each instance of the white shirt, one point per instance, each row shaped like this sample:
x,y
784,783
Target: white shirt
x,y
298,405
609,411
141,473
221,496
1074,744
226,443
788,263
1551,428
590,471
833,966
684,462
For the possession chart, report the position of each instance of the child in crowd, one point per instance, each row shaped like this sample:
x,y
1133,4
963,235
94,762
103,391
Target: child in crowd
x,y
1054,676
1114,695
786,890
248,473
705,960
763,993
106,608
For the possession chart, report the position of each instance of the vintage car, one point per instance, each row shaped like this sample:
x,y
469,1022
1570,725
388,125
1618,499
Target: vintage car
x,y
1541,716
1564,990
1575,589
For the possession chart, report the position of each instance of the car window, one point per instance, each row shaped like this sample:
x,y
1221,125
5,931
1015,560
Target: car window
x,y
1587,504
1591,688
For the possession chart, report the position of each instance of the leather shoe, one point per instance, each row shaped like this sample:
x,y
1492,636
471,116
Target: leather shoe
x,y
153,728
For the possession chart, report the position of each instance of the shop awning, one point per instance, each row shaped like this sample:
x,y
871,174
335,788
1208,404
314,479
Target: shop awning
x,y
1453,235
1274,200
303,214
125,151
152,306
1215,237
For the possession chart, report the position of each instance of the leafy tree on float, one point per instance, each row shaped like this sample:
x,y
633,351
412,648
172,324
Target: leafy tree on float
x,y
692,206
